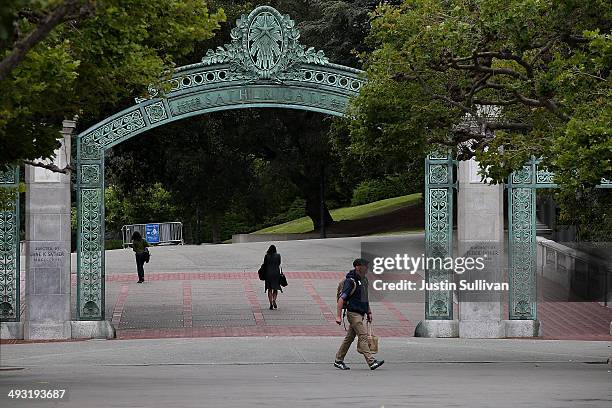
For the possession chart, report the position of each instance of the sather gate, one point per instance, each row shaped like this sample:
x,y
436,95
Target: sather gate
x,y
264,66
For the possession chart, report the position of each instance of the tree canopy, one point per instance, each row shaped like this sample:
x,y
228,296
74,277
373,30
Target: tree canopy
x,y
284,151
501,80
60,58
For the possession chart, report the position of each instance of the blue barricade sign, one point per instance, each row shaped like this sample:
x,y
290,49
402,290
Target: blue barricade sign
x,y
152,233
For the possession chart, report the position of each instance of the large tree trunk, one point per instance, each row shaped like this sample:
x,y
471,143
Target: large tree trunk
x,y
198,235
216,229
311,191
313,207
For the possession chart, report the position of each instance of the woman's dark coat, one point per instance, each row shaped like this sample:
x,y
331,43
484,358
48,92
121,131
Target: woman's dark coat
x,y
272,267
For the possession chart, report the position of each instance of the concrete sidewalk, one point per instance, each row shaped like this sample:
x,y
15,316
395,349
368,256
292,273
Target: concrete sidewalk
x,y
297,372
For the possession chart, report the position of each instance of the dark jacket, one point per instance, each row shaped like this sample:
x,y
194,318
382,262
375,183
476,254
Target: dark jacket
x,y
272,267
139,245
358,301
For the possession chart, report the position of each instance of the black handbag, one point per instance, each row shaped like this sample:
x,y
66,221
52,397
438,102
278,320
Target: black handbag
x,y
147,255
262,272
283,279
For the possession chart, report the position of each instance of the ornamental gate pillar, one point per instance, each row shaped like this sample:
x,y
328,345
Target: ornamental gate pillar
x,y
90,316
11,327
522,258
439,197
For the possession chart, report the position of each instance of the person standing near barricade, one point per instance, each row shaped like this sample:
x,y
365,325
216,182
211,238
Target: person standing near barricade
x,y
354,298
139,246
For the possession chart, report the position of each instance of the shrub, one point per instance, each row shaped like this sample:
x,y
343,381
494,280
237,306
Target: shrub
x,y
113,244
379,189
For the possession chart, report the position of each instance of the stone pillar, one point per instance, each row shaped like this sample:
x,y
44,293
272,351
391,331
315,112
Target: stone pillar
x,y
480,231
47,254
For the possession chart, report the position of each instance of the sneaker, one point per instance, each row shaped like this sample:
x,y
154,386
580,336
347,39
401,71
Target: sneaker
x,y
340,365
376,364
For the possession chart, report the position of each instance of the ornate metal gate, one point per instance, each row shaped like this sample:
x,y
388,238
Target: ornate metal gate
x,y
264,66
440,186
522,187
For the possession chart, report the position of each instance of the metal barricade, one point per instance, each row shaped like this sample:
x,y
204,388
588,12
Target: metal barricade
x,y
169,233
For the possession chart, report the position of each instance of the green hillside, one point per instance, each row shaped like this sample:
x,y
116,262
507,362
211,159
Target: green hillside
x,y
304,224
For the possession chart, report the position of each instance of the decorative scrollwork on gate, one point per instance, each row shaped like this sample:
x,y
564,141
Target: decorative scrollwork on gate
x,y
90,174
156,112
264,65
90,279
265,45
523,176
105,135
438,232
9,248
522,253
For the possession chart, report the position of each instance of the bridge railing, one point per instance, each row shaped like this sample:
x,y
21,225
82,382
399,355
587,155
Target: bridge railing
x,y
169,233
584,275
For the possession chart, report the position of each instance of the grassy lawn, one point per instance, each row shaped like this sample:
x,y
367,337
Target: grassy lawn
x,y
304,224
402,232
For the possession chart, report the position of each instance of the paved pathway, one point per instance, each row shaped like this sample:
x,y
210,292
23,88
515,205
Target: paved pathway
x,y
213,291
297,372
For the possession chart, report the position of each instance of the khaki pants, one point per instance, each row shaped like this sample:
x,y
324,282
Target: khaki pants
x,y
356,329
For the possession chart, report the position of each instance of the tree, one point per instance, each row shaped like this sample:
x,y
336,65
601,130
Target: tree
x,y
293,144
147,204
499,80
204,167
63,58
297,145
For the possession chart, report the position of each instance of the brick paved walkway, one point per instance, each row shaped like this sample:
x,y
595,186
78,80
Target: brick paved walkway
x,y
233,304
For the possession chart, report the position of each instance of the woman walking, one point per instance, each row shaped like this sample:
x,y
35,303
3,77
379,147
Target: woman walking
x,y
271,264
139,245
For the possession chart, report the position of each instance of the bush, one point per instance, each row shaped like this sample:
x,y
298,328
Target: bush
x,y
234,223
379,189
296,210
113,244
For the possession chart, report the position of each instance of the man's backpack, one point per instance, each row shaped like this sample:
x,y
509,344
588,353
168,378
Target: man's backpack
x,y
341,286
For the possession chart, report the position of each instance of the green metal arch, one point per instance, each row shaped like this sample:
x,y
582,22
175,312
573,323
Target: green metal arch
x,y
276,72
325,89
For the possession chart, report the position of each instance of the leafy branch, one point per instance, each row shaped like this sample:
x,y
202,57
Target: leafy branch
x,y
70,10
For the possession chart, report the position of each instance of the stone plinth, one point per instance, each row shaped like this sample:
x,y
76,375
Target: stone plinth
x,y
523,328
93,330
437,329
11,330
47,254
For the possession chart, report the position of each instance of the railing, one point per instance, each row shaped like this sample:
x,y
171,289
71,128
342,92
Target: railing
x,y
584,275
166,233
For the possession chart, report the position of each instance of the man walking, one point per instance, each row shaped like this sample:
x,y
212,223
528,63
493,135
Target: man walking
x,y
354,297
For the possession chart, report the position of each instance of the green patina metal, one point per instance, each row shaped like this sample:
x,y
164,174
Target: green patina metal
x,y
263,66
439,192
9,248
522,187
266,66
